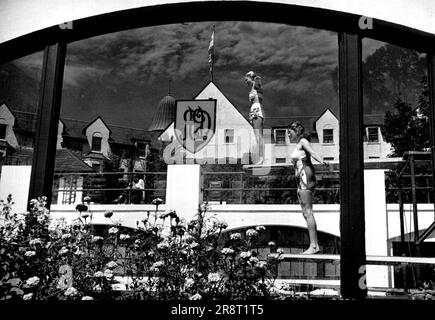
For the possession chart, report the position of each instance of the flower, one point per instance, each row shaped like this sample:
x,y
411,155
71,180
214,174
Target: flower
x,y
108,273
150,253
251,233
227,251
213,277
196,296
236,236
261,264
253,260
28,296
108,214
113,230
35,241
222,224
30,253
66,236
245,254
87,298
71,292
157,201
96,238
124,236
64,250
111,265
163,245
189,283
33,281
157,265
78,252
98,274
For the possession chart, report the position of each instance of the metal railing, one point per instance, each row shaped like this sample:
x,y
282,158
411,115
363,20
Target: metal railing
x,y
108,187
240,187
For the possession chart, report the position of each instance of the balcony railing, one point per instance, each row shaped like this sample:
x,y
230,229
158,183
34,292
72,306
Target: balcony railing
x,y
108,187
240,187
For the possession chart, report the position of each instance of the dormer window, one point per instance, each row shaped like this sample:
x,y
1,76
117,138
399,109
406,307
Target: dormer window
x,y
328,136
3,131
373,135
96,143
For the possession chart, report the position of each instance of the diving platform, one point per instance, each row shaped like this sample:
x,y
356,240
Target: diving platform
x,y
371,260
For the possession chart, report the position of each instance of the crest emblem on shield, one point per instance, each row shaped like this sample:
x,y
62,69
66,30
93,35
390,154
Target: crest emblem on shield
x,y
195,123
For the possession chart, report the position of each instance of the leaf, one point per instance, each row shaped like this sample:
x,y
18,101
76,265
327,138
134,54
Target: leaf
x,y
15,282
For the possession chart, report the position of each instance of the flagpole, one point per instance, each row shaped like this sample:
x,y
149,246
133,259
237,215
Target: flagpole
x,y
211,53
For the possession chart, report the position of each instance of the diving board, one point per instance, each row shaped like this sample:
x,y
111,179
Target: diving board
x,y
372,260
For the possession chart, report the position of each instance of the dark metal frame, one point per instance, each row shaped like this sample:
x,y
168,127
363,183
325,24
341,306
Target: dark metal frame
x,y
53,40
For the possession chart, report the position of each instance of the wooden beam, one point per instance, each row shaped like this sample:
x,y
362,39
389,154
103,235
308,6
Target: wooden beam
x,y
41,179
352,222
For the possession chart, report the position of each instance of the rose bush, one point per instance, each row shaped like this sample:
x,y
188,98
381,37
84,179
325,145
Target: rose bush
x,y
165,257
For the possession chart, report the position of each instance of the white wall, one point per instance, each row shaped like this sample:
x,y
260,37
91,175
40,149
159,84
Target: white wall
x,y
15,180
20,17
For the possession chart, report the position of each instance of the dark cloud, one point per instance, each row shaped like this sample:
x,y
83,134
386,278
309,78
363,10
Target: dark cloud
x,y
122,76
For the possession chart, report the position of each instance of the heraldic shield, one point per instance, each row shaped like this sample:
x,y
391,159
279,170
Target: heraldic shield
x,y
195,123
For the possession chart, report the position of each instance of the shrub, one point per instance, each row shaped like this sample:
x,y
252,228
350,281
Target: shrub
x,y
165,257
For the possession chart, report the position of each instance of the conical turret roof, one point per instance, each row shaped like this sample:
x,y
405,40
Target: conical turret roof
x,y
165,114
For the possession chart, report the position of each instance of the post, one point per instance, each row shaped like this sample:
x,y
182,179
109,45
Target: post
x,y
431,87
414,198
41,179
352,222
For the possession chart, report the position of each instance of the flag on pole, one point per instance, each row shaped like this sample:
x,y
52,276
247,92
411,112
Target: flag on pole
x,y
211,53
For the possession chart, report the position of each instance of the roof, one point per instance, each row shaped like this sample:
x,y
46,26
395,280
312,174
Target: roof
x,y
165,114
67,161
119,134
374,119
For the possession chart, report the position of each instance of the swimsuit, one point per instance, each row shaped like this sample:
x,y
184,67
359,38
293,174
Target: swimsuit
x,y
256,108
304,169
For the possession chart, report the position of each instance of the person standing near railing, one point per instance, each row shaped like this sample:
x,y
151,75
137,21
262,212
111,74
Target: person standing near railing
x,y
138,185
306,179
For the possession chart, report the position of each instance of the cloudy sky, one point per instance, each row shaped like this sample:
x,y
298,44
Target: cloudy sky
x,y
122,76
